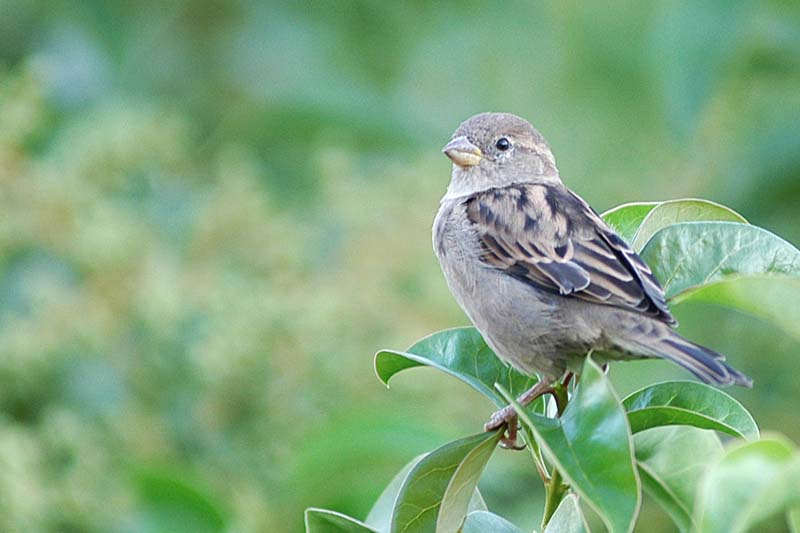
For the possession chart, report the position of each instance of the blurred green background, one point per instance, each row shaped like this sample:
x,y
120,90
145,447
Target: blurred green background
x,y
214,213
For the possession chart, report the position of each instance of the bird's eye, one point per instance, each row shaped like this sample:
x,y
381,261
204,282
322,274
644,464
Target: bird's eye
x,y
502,144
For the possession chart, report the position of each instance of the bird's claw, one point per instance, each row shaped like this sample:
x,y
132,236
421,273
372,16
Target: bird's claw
x,y
500,417
506,417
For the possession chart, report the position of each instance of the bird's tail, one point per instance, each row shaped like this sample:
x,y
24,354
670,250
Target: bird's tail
x,y
707,365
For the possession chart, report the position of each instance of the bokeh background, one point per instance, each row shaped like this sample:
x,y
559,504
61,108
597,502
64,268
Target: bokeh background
x,y
213,213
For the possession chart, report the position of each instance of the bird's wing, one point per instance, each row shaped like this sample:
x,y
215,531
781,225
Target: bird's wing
x,y
546,236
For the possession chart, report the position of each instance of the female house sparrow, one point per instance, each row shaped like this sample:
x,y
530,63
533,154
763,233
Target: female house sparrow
x,y
539,273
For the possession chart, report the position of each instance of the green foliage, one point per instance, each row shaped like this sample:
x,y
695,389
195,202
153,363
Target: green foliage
x,y
636,223
626,219
688,403
590,444
794,519
324,521
672,461
674,211
761,295
212,212
436,493
380,516
462,353
599,450
176,504
480,521
749,483
691,254
568,518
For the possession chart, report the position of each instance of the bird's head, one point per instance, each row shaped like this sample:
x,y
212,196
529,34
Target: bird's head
x,y
497,149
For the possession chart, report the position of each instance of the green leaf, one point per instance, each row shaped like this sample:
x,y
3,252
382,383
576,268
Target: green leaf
x,y
773,297
688,403
625,219
671,462
676,211
324,521
749,484
380,516
793,519
460,352
591,445
691,254
637,222
760,294
173,501
436,494
486,522
477,503
568,517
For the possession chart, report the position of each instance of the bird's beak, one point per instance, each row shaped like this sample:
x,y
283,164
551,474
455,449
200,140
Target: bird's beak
x,y
462,152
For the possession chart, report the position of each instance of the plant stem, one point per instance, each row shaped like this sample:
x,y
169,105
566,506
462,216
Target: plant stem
x,y
555,487
562,397
536,453
555,493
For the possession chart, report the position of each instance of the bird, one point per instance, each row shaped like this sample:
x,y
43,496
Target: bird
x,y
540,274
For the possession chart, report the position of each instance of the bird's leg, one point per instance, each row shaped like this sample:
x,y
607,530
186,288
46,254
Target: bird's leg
x,y
507,416
509,440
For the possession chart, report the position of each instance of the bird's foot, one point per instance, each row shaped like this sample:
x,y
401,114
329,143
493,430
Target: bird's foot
x,y
509,441
500,418
507,416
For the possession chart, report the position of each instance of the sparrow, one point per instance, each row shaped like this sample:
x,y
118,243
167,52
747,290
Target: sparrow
x,y
541,276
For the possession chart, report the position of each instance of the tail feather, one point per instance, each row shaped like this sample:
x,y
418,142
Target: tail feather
x,y
706,364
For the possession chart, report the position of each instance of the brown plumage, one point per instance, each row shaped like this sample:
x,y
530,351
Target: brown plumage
x,y
551,238
539,273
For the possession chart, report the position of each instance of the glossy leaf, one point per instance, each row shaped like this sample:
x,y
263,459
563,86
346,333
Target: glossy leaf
x,y
591,446
460,352
671,462
691,254
625,219
749,484
568,517
436,494
380,516
477,502
486,522
324,521
773,297
685,210
688,403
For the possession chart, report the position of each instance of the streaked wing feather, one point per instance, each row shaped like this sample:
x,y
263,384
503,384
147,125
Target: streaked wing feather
x,y
547,236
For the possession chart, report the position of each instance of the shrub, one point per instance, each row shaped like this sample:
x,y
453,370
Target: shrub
x,y
593,449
